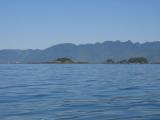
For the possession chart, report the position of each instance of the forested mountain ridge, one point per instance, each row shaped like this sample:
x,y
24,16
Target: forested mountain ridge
x,y
97,52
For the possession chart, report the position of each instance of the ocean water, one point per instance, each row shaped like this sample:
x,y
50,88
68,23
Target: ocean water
x,y
79,92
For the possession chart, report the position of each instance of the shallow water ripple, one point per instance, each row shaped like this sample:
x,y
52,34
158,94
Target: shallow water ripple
x,y
79,92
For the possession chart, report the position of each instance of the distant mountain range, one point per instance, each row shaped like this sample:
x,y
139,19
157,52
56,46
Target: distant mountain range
x,y
97,52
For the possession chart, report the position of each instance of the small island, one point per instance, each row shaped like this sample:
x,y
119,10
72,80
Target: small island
x,y
63,60
132,60
138,60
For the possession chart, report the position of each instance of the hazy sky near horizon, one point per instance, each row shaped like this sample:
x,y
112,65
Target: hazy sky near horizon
x,y
42,23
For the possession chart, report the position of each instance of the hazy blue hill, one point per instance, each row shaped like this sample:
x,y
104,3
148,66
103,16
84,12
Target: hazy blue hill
x,y
12,56
62,50
97,52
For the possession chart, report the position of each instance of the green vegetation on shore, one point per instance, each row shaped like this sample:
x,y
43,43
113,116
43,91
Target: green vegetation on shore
x,y
63,60
132,60
140,60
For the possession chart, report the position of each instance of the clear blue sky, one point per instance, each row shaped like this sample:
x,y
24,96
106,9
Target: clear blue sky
x,y
43,23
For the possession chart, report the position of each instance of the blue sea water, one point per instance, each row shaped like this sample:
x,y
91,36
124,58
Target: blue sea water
x,y
79,92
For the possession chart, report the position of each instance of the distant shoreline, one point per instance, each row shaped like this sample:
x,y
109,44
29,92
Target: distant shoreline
x,y
107,51
83,63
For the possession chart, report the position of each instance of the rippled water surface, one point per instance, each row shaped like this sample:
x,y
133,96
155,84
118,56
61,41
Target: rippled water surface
x,y
79,92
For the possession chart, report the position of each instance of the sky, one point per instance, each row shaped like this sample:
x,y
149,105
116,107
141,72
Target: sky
x,y
38,24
